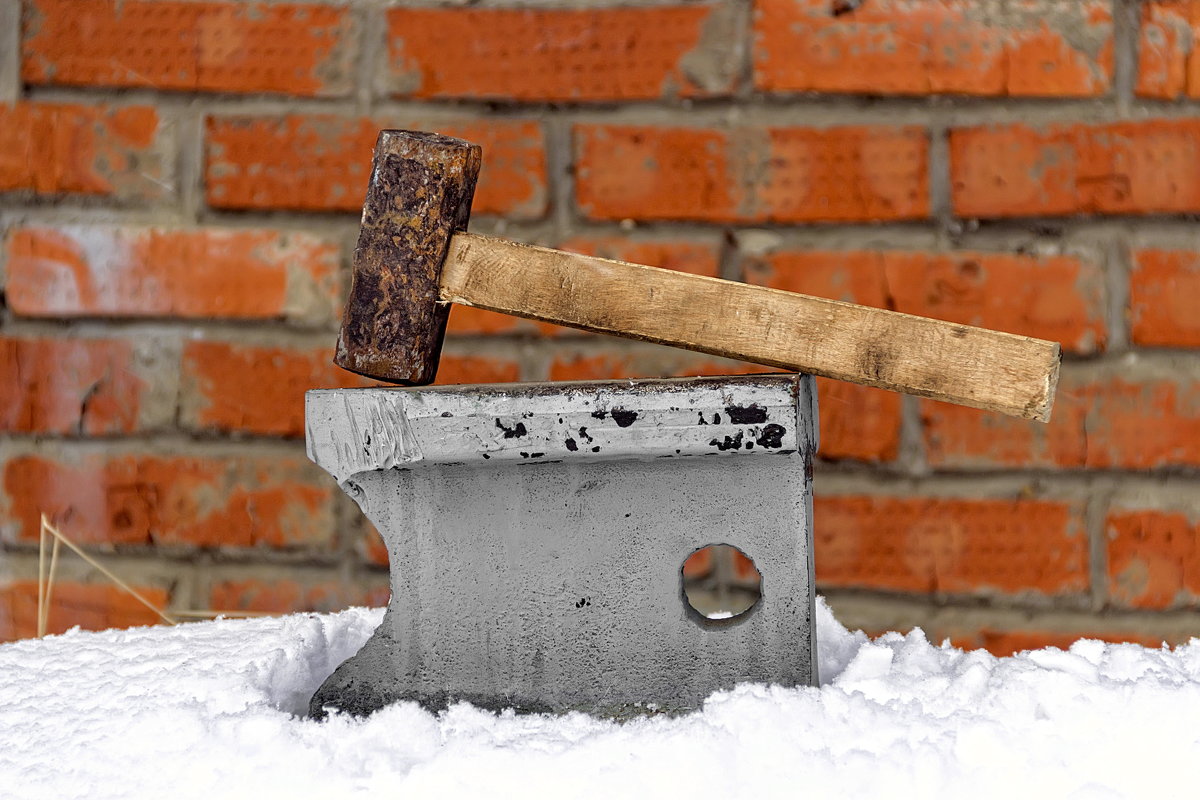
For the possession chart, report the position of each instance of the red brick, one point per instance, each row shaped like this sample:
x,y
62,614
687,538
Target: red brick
x,y
856,422
698,258
284,596
620,364
257,389
1168,64
1002,643
93,607
1163,288
960,437
736,564
1052,48
699,563
260,389
1153,558
603,367
915,544
237,501
61,148
301,49
470,321
855,276
562,54
846,174
320,162
455,369
154,272
744,570
68,386
378,596
1061,298
373,550
1118,168
1108,423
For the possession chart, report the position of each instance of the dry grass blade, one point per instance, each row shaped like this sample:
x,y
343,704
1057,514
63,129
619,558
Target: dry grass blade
x,y
41,604
46,584
58,535
50,584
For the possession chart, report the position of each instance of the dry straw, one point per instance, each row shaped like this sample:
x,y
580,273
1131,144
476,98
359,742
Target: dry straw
x,y
46,583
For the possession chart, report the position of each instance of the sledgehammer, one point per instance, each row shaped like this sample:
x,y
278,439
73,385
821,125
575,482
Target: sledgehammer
x,y
414,258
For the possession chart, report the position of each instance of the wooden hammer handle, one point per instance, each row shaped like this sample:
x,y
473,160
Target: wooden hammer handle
x,y
975,367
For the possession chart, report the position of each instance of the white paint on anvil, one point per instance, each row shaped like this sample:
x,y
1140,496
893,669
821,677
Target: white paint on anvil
x,y
355,430
207,711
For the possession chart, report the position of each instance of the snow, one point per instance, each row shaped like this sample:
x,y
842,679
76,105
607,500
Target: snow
x,y
211,710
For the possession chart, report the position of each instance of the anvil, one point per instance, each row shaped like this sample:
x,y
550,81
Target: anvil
x,y
537,535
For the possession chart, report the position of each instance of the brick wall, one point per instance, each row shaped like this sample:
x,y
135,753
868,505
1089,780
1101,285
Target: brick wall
x,y
179,186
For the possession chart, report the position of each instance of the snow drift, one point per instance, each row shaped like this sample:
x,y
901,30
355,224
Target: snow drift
x,y
211,710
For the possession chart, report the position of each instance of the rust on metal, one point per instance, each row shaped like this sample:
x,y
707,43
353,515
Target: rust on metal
x,y
420,194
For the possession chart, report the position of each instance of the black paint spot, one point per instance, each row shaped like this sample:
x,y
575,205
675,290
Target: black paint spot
x,y
485,455
749,445
600,414
583,434
624,418
746,415
583,601
729,443
716,419
571,445
536,455
772,436
702,420
447,414
514,431
596,449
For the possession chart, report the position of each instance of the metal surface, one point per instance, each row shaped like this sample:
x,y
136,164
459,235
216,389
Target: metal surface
x,y
420,193
537,534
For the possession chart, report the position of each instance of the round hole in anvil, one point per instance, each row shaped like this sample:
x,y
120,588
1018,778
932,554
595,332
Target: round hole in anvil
x,y
721,582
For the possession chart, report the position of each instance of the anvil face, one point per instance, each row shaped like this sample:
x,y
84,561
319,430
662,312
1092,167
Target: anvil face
x,y
537,534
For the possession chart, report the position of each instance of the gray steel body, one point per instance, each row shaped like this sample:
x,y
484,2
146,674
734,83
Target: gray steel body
x,y
537,534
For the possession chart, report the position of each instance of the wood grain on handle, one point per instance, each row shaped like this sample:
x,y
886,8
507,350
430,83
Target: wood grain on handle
x,y
975,367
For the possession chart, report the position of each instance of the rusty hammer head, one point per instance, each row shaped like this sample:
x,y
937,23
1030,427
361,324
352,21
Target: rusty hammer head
x,y
420,194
